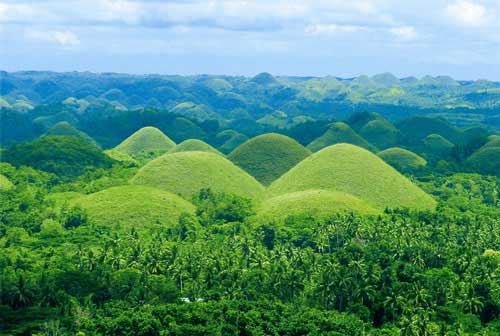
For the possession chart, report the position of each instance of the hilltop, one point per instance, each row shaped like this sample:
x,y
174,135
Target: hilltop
x,y
194,145
185,173
354,170
402,159
339,132
145,144
268,156
133,206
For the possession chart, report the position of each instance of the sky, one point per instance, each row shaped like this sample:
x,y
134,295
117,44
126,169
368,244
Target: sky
x,y
345,38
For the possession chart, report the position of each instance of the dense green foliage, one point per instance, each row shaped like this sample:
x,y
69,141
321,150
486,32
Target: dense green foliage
x,y
268,156
356,171
224,271
403,160
191,244
65,156
185,173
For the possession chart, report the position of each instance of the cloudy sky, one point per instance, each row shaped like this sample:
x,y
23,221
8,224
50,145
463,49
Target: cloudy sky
x,y
460,38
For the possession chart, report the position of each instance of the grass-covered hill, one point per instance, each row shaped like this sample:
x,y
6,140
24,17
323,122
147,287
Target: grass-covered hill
x,y
121,157
375,129
417,128
314,202
185,173
65,156
145,144
436,145
267,157
181,129
228,140
65,128
193,145
493,141
339,132
134,206
354,170
5,183
486,161
402,159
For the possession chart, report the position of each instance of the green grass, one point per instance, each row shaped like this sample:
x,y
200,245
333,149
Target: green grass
x,y
380,133
134,206
268,156
486,161
402,159
59,198
185,173
339,132
356,171
193,145
65,128
120,156
493,141
228,140
5,183
145,144
437,144
314,202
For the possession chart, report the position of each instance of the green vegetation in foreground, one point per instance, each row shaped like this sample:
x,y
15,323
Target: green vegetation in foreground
x,y
339,132
314,202
146,144
485,161
185,173
65,128
66,156
133,206
403,160
354,170
194,145
5,183
268,156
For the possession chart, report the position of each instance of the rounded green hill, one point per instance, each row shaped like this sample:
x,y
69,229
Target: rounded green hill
x,y
65,128
356,171
5,183
486,161
339,132
146,143
193,145
380,133
436,144
268,156
314,202
402,159
185,173
418,127
228,140
134,206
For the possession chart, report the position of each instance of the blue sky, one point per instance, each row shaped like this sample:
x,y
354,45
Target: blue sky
x,y
460,38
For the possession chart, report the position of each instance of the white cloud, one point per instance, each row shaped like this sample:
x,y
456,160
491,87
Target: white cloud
x,y
62,38
14,12
332,28
467,13
405,32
